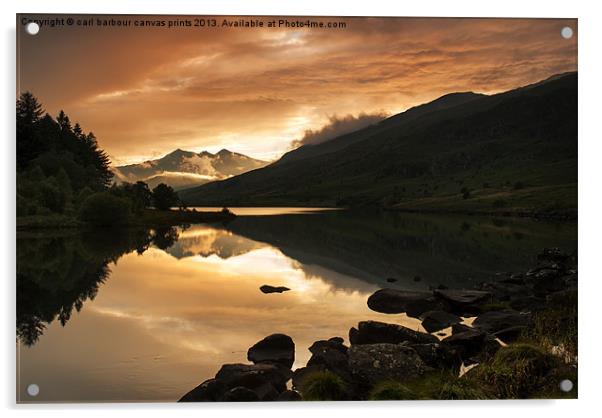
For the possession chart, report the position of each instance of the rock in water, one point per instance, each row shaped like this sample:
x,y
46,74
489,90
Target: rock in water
x,y
438,320
276,348
374,363
266,288
463,300
394,301
373,332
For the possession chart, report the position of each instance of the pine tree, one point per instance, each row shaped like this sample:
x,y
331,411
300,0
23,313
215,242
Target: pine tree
x,y
63,121
29,110
29,143
77,130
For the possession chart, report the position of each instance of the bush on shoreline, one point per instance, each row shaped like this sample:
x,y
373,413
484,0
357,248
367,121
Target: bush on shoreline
x,y
105,209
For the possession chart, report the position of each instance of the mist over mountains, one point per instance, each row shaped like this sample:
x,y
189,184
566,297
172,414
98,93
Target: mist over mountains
x,y
181,169
509,152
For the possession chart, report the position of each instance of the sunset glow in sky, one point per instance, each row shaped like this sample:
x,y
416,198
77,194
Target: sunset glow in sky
x,y
147,91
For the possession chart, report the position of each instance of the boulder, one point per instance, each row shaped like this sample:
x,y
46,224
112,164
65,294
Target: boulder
x,y
458,328
353,335
266,380
394,301
467,343
266,288
463,301
300,373
543,287
276,348
546,271
471,343
322,346
240,394
339,340
504,290
462,297
436,355
330,355
495,321
374,363
289,395
373,332
437,320
209,391
553,255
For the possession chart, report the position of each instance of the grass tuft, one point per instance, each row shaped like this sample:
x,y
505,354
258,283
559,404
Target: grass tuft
x,y
516,371
323,386
433,386
555,328
391,391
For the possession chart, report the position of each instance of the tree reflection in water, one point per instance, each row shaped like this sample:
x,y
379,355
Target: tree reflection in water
x,y
57,273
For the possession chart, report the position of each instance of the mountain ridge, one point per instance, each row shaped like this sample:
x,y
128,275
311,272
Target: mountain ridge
x,y
181,168
514,151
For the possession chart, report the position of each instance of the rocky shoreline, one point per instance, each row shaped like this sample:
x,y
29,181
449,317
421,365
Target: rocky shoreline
x,y
512,337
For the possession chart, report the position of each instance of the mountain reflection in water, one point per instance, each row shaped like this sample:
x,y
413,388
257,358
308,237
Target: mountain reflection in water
x,y
133,315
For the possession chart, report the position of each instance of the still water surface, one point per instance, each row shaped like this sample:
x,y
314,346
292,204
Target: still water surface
x,y
148,315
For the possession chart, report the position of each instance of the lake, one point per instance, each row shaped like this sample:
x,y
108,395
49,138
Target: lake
x,y
146,315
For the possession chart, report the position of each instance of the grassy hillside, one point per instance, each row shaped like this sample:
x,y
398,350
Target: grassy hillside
x,y
514,152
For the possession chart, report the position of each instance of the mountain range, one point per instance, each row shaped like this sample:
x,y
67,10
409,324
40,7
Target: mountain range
x,y
181,169
514,151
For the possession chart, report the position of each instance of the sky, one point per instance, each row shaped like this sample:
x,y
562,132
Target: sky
x,y
145,91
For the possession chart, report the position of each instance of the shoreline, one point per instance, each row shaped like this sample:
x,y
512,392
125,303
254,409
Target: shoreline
x,y
152,217
148,218
569,215
520,344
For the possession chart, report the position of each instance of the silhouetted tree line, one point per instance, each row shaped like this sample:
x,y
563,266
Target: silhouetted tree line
x,y
61,170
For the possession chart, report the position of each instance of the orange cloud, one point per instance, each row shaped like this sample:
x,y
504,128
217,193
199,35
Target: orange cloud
x,y
147,91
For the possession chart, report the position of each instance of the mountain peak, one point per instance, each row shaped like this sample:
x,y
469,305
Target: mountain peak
x,y
177,153
186,168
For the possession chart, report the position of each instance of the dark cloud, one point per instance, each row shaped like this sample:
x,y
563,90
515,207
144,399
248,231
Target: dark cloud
x,y
337,126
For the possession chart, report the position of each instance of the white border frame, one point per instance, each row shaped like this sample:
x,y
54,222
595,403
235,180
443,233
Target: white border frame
x,y
590,208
